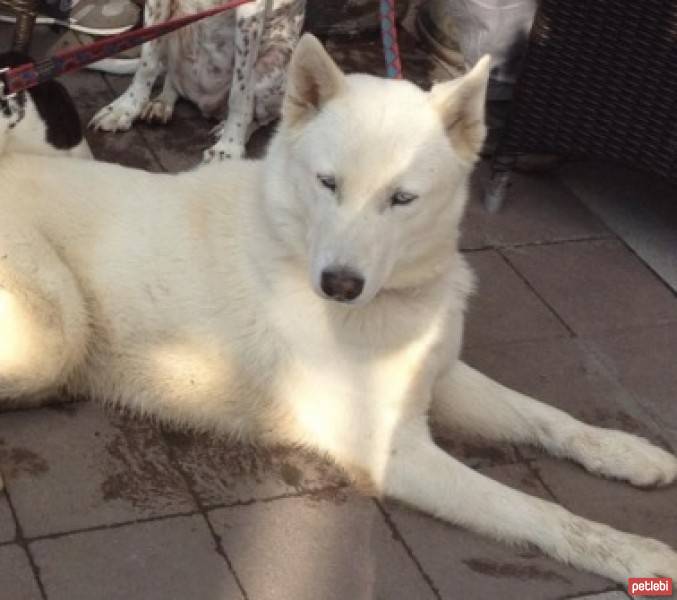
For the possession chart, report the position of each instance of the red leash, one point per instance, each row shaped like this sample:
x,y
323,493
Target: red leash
x,y
391,49
18,79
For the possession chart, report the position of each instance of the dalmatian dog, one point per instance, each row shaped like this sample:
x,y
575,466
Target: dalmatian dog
x,y
233,63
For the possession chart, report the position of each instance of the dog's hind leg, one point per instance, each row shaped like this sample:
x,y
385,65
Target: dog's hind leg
x,y
466,399
121,113
422,475
43,321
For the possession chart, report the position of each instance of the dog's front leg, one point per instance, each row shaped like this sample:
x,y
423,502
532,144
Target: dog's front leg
x,y
420,474
122,112
233,134
467,399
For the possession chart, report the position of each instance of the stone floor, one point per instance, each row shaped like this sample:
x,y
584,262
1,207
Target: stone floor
x,y
102,506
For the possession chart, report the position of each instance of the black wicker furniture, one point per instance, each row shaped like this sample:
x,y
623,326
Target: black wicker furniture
x,y
599,80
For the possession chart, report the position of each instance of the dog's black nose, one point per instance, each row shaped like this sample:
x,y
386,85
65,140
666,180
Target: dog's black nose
x,y
341,284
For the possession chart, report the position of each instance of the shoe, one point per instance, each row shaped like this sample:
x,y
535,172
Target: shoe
x,y
95,17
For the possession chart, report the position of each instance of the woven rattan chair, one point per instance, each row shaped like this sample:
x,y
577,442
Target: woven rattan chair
x,y
599,80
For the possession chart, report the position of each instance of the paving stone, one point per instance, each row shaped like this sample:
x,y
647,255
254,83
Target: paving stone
x,y
18,582
7,525
77,466
474,452
567,374
637,206
644,362
224,473
465,565
504,309
604,596
596,285
538,209
332,547
167,559
649,513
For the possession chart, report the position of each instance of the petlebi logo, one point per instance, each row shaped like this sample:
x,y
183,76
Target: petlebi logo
x,y
650,586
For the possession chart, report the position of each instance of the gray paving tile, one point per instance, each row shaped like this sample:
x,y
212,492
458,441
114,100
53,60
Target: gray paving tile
x,y
160,560
7,524
638,207
539,208
473,452
644,362
465,565
18,582
79,467
223,473
604,596
645,512
596,285
504,309
567,374
335,547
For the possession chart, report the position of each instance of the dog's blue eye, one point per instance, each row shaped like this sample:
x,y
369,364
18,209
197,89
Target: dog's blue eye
x,y
400,198
328,181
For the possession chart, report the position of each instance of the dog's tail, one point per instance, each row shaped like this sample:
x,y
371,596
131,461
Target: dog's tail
x,y
116,66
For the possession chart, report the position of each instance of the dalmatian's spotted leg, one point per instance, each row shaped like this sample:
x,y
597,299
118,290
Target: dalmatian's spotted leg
x,y
121,113
233,134
161,108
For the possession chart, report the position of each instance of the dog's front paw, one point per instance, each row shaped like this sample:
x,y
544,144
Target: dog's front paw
x,y
621,455
157,111
649,558
119,115
223,150
615,554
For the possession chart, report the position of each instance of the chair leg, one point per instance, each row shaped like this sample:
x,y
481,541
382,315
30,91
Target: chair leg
x,y
494,195
25,21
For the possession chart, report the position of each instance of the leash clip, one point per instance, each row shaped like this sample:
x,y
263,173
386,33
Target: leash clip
x,y
3,86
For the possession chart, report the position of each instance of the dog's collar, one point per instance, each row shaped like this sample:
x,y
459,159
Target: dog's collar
x,y
12,106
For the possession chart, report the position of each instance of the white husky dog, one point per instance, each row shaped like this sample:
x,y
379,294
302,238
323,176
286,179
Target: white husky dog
x,y
313,298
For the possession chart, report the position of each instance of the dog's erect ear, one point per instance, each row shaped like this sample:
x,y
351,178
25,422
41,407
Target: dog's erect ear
x,y
313,79
460,103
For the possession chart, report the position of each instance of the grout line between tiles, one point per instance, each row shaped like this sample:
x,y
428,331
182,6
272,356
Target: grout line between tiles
x,y
573,240
21,541
216,538
400,538
572,333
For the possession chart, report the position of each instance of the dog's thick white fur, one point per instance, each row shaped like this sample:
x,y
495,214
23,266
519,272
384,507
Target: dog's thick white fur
x,y
202,298
236,61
